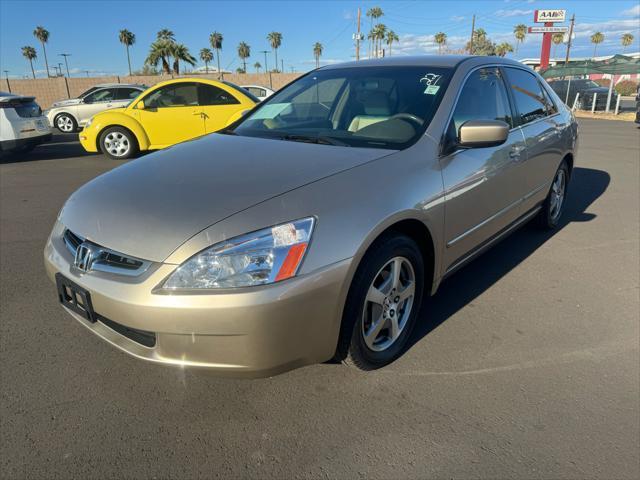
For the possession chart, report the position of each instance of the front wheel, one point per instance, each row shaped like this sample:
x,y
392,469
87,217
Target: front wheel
x,y
383,303
553,206
66,123
118,143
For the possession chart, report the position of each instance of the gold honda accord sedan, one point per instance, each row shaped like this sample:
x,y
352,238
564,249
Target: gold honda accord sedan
x,y
313,227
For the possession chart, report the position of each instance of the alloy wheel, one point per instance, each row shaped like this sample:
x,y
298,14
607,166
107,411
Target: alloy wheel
x,y
65,123
117,144
557,194
388,304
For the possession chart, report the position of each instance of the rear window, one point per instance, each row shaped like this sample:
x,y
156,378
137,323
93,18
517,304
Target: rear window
x,y
24,109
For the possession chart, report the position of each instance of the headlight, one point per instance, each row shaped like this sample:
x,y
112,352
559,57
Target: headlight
x,y
257,258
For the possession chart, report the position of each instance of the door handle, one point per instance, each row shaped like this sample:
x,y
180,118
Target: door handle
x,y
197,113
515,153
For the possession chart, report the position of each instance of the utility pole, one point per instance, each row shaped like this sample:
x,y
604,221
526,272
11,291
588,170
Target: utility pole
x,y
65,55
266,68
573,19
282,64
473,29
87,72
60,68
358,38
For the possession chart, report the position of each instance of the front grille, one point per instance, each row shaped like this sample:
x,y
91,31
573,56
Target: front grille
x,y
107,260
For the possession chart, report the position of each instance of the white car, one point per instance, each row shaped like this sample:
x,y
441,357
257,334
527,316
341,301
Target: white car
x,y
258,91
22,124
69,115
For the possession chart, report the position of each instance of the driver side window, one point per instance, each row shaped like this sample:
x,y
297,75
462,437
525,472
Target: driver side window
x,y
483,97
176,95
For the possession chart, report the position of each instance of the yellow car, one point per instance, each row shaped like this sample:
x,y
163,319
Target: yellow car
x,y
166,114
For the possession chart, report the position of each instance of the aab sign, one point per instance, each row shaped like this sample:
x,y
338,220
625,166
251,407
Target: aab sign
x,y
549,16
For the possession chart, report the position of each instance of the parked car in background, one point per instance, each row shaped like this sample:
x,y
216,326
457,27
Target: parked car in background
x,y
638,105
262,93
313,226
22,124
586,88
70,115
166,114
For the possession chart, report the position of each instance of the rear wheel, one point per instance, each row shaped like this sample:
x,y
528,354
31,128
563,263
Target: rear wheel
x,y
118,143
383,303
66,123
553,206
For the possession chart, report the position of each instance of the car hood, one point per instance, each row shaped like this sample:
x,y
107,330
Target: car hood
x,y
65,103
149,207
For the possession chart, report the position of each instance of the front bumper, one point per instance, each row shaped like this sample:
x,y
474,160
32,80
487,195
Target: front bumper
x,y
88,140
256,332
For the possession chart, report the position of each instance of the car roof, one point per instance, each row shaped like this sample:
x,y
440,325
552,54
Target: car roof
x,y
256,86
104,85
6,97
423,60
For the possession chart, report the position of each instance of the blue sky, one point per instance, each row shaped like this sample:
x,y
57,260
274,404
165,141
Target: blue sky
x,y
89,29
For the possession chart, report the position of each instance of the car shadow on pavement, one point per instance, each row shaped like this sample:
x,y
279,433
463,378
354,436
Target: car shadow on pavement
x,y
60,147
586,186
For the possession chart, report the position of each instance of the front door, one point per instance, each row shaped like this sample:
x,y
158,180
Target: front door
x,y
96,102
218,106
483,186
171,114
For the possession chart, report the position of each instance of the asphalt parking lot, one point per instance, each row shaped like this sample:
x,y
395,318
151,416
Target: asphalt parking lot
x,y
525,365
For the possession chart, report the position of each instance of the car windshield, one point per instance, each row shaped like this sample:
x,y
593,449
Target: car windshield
x,y
379,107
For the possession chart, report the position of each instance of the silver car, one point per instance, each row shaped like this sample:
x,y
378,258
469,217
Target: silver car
x,y
70,115
313,227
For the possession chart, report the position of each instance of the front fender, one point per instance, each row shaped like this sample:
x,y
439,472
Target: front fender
x,y
121,119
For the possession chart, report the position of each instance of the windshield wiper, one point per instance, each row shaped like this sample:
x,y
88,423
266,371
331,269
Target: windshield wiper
x,y
312,139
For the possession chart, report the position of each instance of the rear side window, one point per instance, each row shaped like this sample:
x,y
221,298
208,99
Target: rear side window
x,y
530,99
210,95
258,92
483,97
127,93
104,95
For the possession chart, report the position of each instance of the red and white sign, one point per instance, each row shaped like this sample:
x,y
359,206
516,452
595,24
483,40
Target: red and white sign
x,y
548,29
542,16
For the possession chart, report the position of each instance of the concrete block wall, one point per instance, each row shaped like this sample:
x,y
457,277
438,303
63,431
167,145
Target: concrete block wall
x,y
49,90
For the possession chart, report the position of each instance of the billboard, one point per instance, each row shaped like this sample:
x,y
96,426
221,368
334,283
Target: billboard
x,y
541,16
548,29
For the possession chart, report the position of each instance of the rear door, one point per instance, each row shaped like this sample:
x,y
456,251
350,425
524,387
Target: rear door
x,y
483,186
542,128
172,114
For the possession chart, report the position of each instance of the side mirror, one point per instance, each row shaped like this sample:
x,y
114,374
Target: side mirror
x,y
140,105
483,133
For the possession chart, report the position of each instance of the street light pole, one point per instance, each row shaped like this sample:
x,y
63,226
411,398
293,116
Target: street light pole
x,y
266,68
65,55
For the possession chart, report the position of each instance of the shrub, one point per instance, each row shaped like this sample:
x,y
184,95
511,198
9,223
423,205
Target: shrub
x,y
603,82
627,87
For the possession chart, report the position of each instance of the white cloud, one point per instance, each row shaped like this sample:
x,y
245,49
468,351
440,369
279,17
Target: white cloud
x,y
325,61
457,18
512,13
632,12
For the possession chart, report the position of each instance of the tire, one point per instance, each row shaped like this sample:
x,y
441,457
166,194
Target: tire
x,y
368,344
551,213
66,123
118,143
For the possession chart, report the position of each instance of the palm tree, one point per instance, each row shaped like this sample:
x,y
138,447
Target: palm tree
x,y
257,66
557,40
275,39
519,31
160,51
596,39
127,39
626,39
391,37
206,56
317,53
179,52
42,34
373,13
379,32
503,48
441,40
215,39
166,34
244,52
30,54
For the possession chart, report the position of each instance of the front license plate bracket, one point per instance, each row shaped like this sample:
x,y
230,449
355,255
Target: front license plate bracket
x,y
75,298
